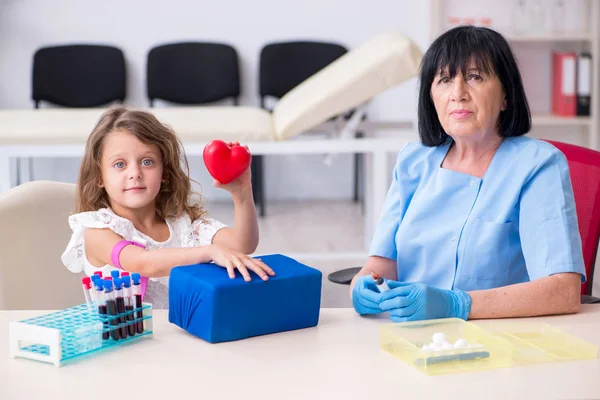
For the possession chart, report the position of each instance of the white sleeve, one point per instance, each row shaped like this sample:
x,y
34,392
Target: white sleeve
x,y
74,257
203,230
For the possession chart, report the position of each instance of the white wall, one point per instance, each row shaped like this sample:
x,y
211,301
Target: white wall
x,y
137,25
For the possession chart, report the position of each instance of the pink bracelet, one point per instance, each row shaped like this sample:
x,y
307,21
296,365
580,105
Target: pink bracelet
x,y
116,251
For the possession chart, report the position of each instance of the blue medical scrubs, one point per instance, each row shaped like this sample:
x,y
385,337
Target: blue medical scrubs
x,y
452,230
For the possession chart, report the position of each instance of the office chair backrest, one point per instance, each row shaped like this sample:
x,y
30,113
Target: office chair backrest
x,y
33,234
285,65
584,168
78,75
193,73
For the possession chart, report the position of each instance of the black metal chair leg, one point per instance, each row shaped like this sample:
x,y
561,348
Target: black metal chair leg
x,y
254,178
18,172
258,183
358,160
30,168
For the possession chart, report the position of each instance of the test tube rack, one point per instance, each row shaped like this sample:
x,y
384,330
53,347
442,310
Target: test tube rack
x,y
65,335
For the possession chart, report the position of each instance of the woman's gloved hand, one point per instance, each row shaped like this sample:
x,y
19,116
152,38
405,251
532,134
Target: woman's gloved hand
x,y
365,296
417,301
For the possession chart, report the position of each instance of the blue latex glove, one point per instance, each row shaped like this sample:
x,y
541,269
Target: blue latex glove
x,y
365,296
417,301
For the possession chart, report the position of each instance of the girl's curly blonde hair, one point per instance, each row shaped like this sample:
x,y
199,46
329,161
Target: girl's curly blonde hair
x,y
174,198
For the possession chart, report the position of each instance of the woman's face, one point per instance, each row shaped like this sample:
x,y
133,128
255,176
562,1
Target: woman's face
x,y
468,106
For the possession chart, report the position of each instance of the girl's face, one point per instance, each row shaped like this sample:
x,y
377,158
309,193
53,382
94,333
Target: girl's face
x,y
132,171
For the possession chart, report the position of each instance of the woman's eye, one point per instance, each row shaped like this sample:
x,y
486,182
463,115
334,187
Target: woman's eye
x,y
147,162
119,165
444,80
475,77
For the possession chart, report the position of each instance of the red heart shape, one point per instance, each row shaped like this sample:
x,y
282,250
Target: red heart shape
x,y
225,162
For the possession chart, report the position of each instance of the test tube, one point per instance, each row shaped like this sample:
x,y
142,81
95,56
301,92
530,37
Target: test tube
x,y
380,282
98,282
95,278
124,273
93,294
115,274
111,307
128,303
120,302
101,301
86,283
137,295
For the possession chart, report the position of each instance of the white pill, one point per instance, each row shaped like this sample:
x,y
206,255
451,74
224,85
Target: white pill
x,y
447,346
439,338
425,347
460,344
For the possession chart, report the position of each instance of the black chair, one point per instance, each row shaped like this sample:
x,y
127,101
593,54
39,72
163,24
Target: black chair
x,y
77,76
283,66
193,73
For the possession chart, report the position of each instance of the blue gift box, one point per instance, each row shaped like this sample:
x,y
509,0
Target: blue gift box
x,y
204,301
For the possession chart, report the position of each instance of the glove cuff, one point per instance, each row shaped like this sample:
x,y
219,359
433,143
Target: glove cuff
x,y
462,304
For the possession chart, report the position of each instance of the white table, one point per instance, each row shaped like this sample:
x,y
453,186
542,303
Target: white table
x,y
339,359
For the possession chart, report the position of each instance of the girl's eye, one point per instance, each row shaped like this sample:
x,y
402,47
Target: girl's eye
x,y
119,165
147,162
444,80
475,77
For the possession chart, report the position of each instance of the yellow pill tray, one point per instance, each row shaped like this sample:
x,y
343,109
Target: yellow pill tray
x,y
508,344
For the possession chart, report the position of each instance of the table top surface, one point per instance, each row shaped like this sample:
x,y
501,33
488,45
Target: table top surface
x,y
340,358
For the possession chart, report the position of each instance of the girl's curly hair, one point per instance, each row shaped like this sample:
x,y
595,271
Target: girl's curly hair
x,y
174,197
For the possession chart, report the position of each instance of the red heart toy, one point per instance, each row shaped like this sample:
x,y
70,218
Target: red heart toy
x,y
226,162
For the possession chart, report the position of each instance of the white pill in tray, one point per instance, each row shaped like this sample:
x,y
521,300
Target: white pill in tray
x,y
439,338
439,343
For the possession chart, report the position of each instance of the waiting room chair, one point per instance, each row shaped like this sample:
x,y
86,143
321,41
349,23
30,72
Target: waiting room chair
x,y
77,76
584,168
193,73
283,66
33,234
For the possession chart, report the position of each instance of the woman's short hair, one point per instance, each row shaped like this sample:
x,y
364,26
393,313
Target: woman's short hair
x,y
454,51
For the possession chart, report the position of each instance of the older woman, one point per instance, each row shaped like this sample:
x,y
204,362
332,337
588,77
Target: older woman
x,y
479,221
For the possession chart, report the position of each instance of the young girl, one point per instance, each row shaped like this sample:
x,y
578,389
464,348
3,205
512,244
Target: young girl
x,y
134,211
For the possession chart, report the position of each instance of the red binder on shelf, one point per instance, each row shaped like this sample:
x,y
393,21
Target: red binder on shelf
x,y
564,78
